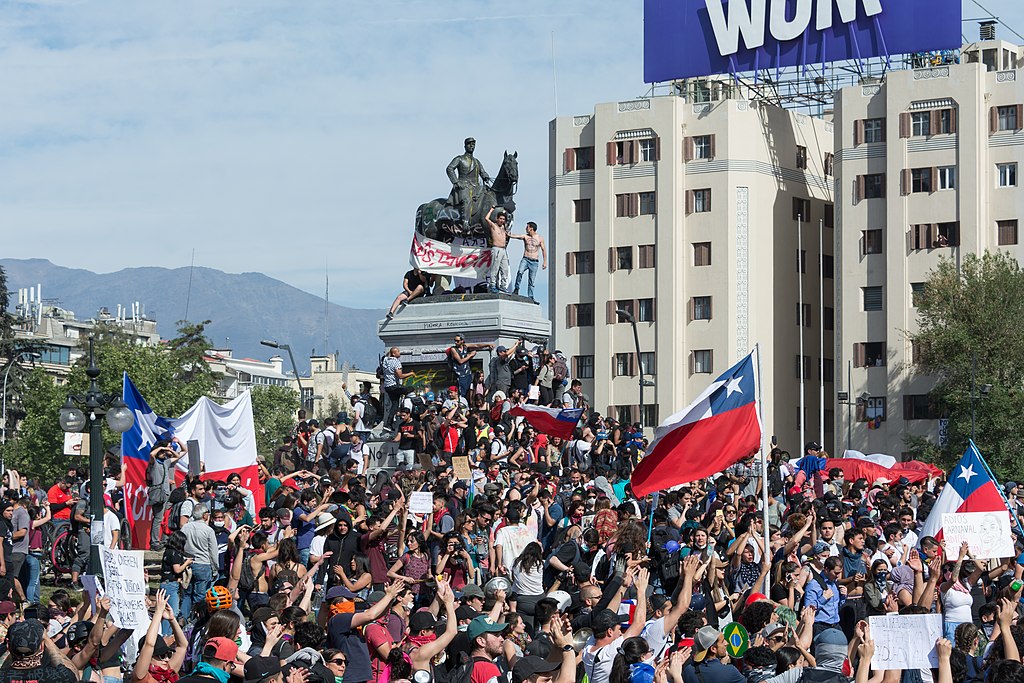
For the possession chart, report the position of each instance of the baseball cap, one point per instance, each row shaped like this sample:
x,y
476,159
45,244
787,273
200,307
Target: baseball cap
x,y
261,668
25,637
7,607
702,642
453,388
531,665
422,621
460,485
606,619
812,446
501,349
819,548
79,631
466,612
482,625
772,628
472,590
375,597
339,592
220,648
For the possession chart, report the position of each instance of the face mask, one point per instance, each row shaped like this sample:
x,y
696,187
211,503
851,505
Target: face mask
x,y
988,628
881,577
219,525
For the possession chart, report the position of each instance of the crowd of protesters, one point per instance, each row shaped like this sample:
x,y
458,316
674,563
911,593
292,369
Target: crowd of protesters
x,y
542,566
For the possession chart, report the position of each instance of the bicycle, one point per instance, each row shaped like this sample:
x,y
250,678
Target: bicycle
x,y
63,552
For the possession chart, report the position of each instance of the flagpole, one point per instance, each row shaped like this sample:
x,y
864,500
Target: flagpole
x,y
650,521
999,487
801,264
764,449
821,333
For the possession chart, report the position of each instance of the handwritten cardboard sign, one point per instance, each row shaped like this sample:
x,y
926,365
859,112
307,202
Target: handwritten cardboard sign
x,y
987,533
126,586
905,641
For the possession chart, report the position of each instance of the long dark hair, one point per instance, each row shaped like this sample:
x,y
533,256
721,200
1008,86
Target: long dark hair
x,y
531,558
633,651
287,551
223,624
785,659
176,541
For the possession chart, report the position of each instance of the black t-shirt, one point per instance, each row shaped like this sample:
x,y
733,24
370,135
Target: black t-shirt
x,y
40,674
342,636
5,534
520,380
408,435
567,554
415,280
80,508
170,558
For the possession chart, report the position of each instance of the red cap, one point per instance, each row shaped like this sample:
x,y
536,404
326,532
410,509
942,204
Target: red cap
x,y
453,388
220,648
795,490
290,483
755,597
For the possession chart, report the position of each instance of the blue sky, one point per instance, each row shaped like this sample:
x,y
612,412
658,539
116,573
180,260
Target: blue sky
x,y
286,137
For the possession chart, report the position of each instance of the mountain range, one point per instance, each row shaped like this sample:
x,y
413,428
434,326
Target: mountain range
x,y
243,307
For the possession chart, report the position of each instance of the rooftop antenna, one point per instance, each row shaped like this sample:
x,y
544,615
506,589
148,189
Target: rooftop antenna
x,y
188,292
554,73
327,292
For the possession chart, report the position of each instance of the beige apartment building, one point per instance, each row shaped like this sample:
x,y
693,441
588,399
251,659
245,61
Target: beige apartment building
x,y
683,211
926,166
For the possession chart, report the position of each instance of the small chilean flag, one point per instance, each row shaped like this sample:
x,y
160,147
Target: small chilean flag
x,y
558,422
718,429
970,489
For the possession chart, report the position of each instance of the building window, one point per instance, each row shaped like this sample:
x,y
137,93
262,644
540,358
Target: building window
x,y
579,159
801,261
649,414
627,205
584,367
921,123
648,150
872,298
620,305
916,292
623,365
55,355
801,157
869,355
871,409
919,407
1007,175
1007,117
934,235
826,369
645,310
945,121
581,210
624,414
949,235
872,241
806,365
701,362
921,180
579,263
648,204
828,318
947,177
698,201
624,258
801,209
829,216
874,130
871,186
703,146
700,308
803,315
1006,233
647,363
828,266
647,254
702,253
829,164
579,315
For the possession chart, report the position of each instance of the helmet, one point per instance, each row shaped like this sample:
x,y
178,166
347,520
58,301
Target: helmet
x,y
219,597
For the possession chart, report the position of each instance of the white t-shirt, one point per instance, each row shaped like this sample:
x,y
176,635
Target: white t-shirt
x,y
513,539
657,639
359,409
528,583
356,453
111,523
598,663
316,546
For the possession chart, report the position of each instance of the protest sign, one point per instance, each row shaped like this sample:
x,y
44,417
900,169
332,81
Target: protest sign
x,y
905,641
987,533
460,465
93,589
126,586
421,502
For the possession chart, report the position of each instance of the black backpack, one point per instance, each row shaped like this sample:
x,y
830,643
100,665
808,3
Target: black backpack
x,y
813,674
464,671
247,578
665,564
418,406
371,413
176,501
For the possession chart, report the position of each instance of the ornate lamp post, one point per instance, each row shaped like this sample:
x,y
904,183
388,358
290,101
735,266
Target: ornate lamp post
x,y
74,419
298,380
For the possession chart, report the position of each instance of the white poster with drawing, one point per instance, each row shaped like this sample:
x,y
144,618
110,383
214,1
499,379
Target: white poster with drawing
x,y
905,641
987,534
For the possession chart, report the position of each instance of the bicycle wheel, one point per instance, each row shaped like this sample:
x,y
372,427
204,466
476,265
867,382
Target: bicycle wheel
x,y
62,553
124,541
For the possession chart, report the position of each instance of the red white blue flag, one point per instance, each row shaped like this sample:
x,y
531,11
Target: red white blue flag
x,y
718,429
970,489
558,422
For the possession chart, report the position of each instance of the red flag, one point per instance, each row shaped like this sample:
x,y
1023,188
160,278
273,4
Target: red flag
x,y
558,422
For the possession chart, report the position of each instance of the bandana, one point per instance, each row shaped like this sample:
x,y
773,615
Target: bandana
x,y
420,641
204,669
439,515
163,675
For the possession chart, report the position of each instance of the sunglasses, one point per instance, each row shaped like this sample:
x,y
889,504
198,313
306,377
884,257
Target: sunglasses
x,y
339,660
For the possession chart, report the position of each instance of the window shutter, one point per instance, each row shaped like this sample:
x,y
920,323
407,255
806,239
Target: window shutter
x,y
935,180
859,193
657,149
610,316
712,146
634,411
634,199
859,355
993,120
858,132
613,263
570,315
690,310
611,154
615,366
906,127
574,365
955,237
906,181
634,151
711,361
935,122
689,202
861,407
688,149
570,159
654,309
952,119
1020,116
711,310
933,233
570,262
632,365
707,205
881,192
693,363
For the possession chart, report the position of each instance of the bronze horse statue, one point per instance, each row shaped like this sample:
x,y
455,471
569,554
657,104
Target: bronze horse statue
x,y
439,219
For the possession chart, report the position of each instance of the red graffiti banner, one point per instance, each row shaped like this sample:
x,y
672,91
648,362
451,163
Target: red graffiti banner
x,y
457,259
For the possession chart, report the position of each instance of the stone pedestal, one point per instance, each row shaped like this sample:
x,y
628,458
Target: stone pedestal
x,y
425,328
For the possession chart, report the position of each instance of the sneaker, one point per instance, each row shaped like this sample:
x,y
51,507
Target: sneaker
x,y
390,315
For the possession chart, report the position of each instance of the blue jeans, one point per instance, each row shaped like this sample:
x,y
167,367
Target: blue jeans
x,y
304,556
173,601
31,571
526,264
464,382
202,580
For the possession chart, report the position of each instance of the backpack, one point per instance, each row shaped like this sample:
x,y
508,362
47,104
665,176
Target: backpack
x,y
811,674
561,370
418,406
463,672
665,564
371,413
176,501
496,412
247,581
380,367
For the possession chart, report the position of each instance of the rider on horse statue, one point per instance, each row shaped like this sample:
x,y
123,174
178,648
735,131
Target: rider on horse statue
x,y
469,181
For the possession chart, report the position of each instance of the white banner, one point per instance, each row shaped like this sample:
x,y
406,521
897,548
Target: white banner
x,y
458,259
227,438
987,534
125,586
905,641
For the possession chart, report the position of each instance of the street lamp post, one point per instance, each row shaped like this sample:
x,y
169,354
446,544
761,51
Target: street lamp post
x,y
985,389
275,345
73,419
3,434
628,317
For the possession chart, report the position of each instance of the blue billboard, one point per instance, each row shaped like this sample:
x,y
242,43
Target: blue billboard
x,y
687,38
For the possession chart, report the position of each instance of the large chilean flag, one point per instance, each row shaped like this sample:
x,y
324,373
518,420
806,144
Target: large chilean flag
x,y
558,422
969,489
718,429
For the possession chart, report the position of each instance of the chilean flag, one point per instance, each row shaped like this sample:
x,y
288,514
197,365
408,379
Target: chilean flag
x,y
718,429
558,422
970,489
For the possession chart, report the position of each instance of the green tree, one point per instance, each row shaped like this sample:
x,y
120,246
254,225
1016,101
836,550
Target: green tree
x,y
273,411
968,321
330,407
